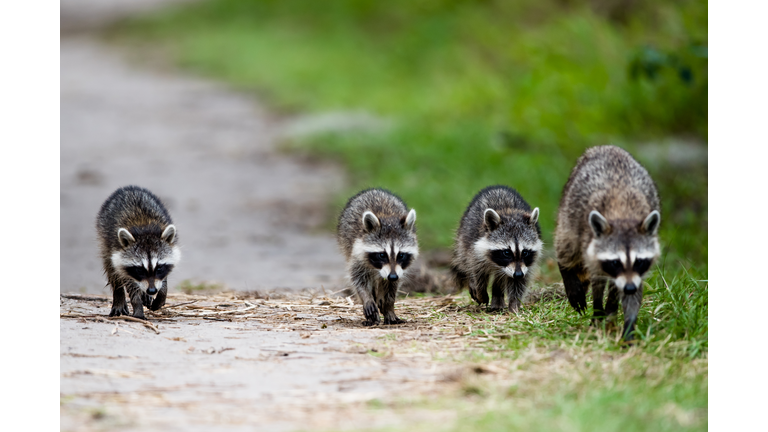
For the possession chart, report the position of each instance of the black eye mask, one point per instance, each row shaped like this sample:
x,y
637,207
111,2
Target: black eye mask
x,y
404,259
140,273
528,257
612,267
378,259
502,257
137,272
641,265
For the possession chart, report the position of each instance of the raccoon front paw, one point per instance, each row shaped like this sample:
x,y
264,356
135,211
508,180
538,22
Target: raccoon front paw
x,y
578,302
371,313
393,321
597,318
139,314
157,304
496,304
117,312
514,306
146,299
481,297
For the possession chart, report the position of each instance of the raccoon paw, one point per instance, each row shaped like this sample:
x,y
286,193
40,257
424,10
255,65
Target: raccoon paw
x,y
139,314
496,305
371,313
578,302
117,312
514,308
157,304
146,300
597,318
393,321
481,297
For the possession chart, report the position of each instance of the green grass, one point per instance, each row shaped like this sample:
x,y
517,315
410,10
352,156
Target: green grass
x,y
672,323
562,373
477,92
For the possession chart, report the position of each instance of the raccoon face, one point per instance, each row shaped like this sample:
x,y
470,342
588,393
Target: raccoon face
x,y
388,246
623,250
146,257
511,243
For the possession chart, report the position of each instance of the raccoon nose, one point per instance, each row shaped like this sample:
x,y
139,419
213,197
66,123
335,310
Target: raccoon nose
x,y
393,277
151,290
518,273
630,288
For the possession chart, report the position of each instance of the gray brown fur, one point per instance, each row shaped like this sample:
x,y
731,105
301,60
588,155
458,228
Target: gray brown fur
x,y
482,239
390,230
138,243
610,181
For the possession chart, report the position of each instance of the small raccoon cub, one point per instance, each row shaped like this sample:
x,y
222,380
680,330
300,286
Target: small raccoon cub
x,y
377,234
607,229
498,243
138,249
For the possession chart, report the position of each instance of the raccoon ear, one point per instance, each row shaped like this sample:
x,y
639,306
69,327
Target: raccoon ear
x,y
491,218
169,234
651,223
598,223
124,237
534,216
410,220
370,222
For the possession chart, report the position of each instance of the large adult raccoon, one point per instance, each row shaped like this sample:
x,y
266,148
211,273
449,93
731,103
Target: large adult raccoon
x,y
607,229
138,248
498,242
377,235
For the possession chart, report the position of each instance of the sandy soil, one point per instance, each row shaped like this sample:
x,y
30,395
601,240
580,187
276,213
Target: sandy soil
x,y
239,361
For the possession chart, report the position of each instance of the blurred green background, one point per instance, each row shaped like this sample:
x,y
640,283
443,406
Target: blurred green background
x,y
471,93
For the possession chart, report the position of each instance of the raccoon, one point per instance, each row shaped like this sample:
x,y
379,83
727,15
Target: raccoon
x,y
498,243
138,243
607,231
377,235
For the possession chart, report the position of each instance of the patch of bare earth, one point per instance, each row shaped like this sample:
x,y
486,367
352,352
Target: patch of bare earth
x,y
303,361
294,361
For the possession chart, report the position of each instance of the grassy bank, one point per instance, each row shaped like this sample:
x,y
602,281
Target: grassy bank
x,y
549,369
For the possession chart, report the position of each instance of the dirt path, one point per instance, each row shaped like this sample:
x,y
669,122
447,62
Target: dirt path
x,y
233,362
247,219
244,212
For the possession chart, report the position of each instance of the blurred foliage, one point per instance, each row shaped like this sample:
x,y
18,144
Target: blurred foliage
x,y
479,92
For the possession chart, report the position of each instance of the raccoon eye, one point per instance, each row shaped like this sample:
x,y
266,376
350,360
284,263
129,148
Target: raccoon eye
x,y
507,253
136,272
162,271
641,265
400,256
528,256
382,256
612,267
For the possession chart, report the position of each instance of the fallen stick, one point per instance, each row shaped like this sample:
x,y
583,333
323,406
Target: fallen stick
x,y
130,318
83,297
180,304
103,319
203,314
